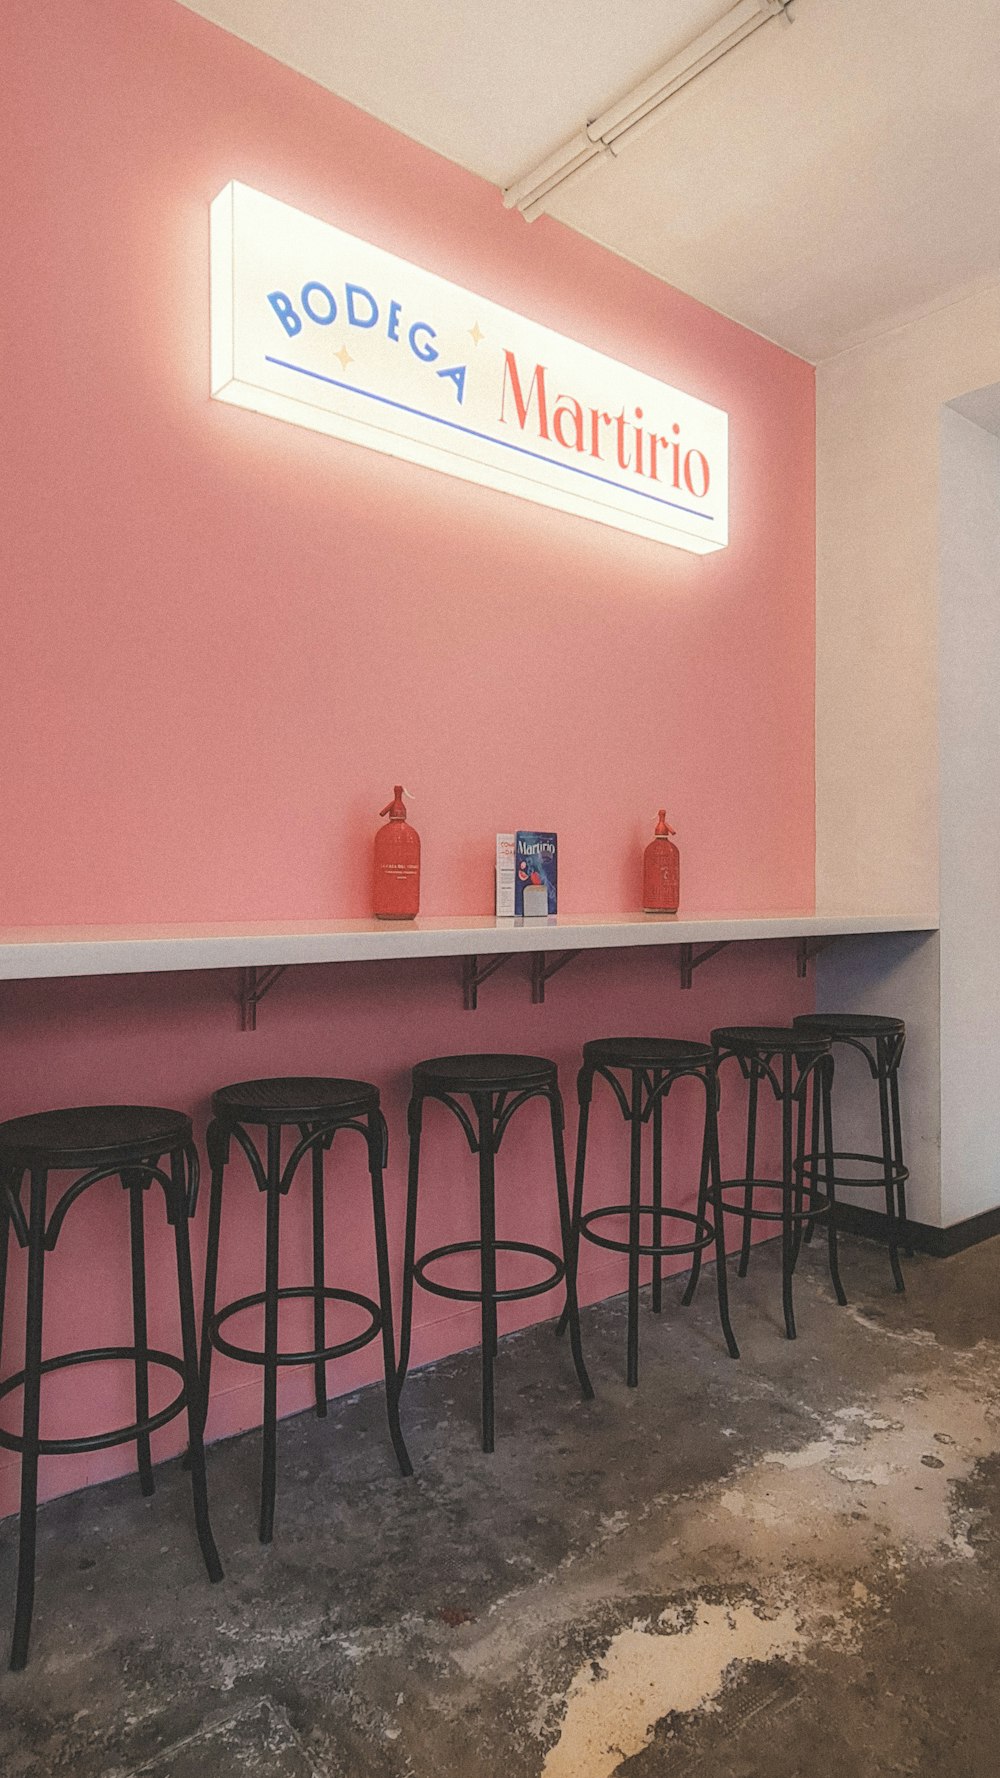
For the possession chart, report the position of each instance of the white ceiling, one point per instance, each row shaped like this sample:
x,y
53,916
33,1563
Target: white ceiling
x,y
826,180
982,407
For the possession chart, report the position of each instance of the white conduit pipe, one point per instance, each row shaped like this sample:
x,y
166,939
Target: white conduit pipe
x,y
622,121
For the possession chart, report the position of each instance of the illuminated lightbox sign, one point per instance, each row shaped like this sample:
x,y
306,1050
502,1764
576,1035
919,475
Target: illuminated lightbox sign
x,y
316,327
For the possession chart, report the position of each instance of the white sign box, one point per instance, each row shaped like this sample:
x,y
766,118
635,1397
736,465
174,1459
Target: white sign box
x,y
316,327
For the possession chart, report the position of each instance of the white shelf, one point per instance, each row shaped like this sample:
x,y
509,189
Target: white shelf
x,y
32,953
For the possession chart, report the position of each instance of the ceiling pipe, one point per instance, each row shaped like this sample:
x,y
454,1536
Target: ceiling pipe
x,y
639,107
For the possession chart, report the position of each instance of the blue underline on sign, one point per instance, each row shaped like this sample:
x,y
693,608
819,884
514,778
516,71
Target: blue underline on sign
x,y
487,438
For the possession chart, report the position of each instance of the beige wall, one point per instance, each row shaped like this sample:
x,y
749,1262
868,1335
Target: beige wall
x,y
877,420
890,710
969,668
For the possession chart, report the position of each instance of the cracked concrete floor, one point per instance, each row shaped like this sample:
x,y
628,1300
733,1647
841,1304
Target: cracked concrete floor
x,y
788,1565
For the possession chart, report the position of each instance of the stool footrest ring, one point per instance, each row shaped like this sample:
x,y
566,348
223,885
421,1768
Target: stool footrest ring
x,y
814,1204
814,1165
501,1296
98,1441
248,1354
704,1231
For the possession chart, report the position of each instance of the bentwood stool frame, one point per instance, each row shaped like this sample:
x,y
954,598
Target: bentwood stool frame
x,y
140,1145
317,1109
881,1041
653,1066
797,1065
496,1087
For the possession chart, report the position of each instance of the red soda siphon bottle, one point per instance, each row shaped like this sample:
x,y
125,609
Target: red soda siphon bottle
x,y
396,891
661,871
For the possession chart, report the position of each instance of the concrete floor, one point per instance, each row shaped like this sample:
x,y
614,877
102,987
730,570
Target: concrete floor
x,y
789,1565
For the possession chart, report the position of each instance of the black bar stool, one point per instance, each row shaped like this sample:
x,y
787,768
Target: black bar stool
x,y
881,1042
137,1144
496,1086
316,1109
798,1065
653,1065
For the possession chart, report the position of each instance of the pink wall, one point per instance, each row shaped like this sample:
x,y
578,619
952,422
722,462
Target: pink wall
x,y
224,638
228,636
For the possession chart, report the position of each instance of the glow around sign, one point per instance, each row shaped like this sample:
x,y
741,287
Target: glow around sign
x,y
314,326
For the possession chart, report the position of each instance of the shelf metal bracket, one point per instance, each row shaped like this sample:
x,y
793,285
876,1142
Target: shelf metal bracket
x,y
806,950
254,984
692,959
542,971
472,976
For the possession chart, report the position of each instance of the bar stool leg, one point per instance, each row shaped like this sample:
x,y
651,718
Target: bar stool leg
x,y
570,1250
634,1234
414,1118
488,1259
497,1112
814,1152
133,1183
741,1270
377,1146
892,1230
4,1246
787,1195
192,1382
897,1140
657,1292
799,1175
701,1210
584,1092
319,1273
269,1452
28,1522
217,1146
825,1087
711,1168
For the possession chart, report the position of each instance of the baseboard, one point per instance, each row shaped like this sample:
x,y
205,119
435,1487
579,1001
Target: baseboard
x,y
855,1219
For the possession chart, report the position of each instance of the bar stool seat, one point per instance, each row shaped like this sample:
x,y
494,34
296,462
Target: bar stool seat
x,y
653,1066
768,1040
850,1024
294,1099
130,1142
880,1039
315,1109
796,1063
485,1073
89,1135
646,1052
497,1085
